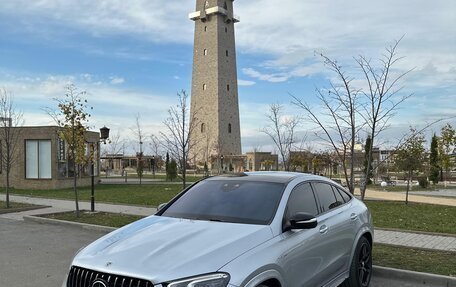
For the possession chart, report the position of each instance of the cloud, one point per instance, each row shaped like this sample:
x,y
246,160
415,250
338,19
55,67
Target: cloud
x,y
245,83
273,78
117,80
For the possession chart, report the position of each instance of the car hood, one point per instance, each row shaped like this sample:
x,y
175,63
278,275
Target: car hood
x,y
161,249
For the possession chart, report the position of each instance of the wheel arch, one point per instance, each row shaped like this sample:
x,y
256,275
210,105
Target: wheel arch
x,y
271,278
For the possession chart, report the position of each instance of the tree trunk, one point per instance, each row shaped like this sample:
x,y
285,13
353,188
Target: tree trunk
x,y
408,187
7,189
76,200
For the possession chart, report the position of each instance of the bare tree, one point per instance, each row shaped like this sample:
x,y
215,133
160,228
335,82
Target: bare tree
x,y
281,130
139,155
179,127
337,122
382,97
10,122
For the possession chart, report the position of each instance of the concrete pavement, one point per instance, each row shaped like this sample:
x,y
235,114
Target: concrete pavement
x,y
400,196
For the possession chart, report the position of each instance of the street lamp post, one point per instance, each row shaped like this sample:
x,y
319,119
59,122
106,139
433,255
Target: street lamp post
x,y
104,135
153,166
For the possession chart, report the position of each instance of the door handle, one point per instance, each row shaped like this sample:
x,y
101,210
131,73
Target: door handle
x,y
324,229
353,216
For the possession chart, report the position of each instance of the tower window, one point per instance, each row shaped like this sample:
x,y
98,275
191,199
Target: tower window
x,y
204,87
226,30
205,28
225,6
226,52
203,128
228,88
229,128
205,52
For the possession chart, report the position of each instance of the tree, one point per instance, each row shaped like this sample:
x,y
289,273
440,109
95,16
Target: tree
x,y
281,130
72,118
10,122
139,155
172,170
368,173
434,160
411,156
179,127
447,145
382,97
336,120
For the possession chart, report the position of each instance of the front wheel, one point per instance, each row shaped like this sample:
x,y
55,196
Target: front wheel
x,y
361,265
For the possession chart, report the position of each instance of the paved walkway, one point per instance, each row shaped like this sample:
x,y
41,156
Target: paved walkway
x,y
400,196
406,239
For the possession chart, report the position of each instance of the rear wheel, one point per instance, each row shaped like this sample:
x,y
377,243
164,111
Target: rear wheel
x,y
361,265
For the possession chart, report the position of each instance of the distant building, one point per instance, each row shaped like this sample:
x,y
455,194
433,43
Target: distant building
x,y
214,98
42,161
257,161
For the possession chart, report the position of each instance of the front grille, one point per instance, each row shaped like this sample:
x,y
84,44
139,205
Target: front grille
x,y
81,277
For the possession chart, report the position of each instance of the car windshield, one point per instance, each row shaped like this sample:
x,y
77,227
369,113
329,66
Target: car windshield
x,y
229,201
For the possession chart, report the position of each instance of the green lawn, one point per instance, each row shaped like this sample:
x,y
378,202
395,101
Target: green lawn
x,y
414,216
146,194
98,218
436,262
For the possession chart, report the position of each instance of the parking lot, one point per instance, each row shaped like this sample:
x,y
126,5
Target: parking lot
x,y
39,254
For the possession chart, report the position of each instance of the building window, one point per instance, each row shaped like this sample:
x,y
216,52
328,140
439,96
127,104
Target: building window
x,y
229,128
38,159
205,52
228,88
226,30
205,28
204,87
226,53
203,128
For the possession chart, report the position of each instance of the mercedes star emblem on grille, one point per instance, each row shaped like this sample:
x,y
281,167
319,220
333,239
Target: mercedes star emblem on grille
x,y
99,283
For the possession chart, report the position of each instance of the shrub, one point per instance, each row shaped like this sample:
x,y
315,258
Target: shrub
x,y
424,183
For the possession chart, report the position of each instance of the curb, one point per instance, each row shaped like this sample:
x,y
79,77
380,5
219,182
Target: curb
x,y
419,278
415,231
86,226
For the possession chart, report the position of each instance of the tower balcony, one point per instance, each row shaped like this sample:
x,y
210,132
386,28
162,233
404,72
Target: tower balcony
x,y
213,11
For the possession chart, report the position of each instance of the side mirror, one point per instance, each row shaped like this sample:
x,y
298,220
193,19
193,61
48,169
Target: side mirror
x,y
302,220
161,205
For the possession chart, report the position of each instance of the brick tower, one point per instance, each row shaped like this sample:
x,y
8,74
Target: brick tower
x,y
214,97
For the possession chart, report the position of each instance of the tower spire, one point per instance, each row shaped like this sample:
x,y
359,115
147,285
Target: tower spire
x,y
214,101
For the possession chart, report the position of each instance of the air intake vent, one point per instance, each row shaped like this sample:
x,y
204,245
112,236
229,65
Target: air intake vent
x,y
81,277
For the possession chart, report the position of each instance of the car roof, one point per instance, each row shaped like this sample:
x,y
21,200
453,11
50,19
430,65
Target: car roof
x,y
268,176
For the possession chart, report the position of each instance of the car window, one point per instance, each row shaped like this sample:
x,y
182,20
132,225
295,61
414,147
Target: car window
x,y
229,201
339,197
345,195
326,196
302,199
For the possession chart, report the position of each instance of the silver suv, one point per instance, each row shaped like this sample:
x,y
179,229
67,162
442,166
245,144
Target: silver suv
x,y
262,229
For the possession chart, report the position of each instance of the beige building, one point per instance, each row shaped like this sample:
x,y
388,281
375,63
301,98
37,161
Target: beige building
x,y
214,101
262,161
42,161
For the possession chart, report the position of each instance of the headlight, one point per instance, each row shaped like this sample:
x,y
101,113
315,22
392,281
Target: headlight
x,y
210,280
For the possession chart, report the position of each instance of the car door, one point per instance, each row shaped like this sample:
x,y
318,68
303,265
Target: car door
x,y
302,261
335,229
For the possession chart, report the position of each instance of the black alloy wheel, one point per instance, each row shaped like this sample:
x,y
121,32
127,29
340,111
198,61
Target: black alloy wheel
x,y
364,264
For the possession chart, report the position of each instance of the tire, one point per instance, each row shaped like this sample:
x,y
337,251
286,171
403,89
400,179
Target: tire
x,y
361,265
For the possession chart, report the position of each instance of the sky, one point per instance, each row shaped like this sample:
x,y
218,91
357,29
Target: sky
x,y
132,57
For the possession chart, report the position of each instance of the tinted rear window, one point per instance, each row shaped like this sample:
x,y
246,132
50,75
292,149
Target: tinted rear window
x,y
230,201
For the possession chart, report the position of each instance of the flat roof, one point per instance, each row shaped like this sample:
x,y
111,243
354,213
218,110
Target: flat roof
x,y
266,176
